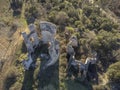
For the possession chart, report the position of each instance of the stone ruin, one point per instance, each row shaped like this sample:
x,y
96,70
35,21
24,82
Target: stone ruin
x,y
48,32
53,52
32,41
76,67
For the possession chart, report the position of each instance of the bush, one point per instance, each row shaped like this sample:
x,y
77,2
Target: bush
x,y
78,23
107,26
101,87
87,10
66,6
52,15
113,72
31,14
16,6
72,12
61,18
108,40
70,29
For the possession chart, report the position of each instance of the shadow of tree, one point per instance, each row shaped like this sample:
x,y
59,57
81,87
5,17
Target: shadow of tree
x,y
106,57
16,6
9,81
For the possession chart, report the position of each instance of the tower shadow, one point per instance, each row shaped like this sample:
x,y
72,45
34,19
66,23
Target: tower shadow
x,y
77,85
28,81
49,77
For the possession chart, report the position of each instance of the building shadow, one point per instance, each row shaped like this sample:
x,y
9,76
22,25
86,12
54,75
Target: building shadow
x,y
49,77
92,74
83,83
28,81
77,84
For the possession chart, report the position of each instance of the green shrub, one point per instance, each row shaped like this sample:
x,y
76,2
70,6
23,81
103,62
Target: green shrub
x,y
107,26
31,13
61,18
87,11
78,23
113,72
52,15
70,29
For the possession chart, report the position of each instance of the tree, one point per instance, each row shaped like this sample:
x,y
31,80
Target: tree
x,y
113,72
61,18
31,14
52,15
16,6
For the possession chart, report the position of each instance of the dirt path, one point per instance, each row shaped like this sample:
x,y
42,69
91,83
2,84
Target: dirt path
x,y
9,47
